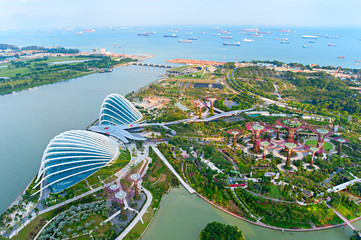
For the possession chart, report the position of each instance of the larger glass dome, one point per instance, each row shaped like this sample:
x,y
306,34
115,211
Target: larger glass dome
x,y
72,156
117,110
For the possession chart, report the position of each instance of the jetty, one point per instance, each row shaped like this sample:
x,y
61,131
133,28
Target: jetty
x,y
153,65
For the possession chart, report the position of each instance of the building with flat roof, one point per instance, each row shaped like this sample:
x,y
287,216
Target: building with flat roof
x,y
73,156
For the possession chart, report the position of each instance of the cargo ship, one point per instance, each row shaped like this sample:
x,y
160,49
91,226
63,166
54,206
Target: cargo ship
x,y
170,36
306,46
226,37
331,45
340,57
192,38
310,37
247,40
143,34
250,30
281,39
312,41
232,44
333,37
185,41
285,42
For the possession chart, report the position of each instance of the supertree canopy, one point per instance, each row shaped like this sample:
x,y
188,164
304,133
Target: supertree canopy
x,y
211,100
321,134
291,124
278,128
234,133
256,128
341,141
290,147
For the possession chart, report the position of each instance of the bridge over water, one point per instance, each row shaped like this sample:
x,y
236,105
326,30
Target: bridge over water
x,y
345,220
153,65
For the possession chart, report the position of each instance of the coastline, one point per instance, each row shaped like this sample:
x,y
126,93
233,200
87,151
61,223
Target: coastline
x,y
200,196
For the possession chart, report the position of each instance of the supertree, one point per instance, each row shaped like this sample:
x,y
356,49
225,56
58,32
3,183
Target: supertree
x,y
313,150
120,197
199,106
135,177
256,128
291,124
211,100
112,188
264,144
234,133
321,134
341,141
290,146
278,128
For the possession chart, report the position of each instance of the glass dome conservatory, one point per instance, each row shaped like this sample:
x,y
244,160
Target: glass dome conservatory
x,y
117,110
73,156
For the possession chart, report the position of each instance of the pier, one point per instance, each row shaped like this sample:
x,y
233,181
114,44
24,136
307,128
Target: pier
x,y
153,65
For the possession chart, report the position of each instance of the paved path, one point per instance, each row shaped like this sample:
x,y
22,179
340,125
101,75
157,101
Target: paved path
x,y
139,216
345,220
160,155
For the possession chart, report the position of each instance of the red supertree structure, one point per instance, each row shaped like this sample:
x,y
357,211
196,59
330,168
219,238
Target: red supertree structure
x,y
341,141
256,128
292,125
278,128
234,133
265,144
135,178
199,106
290,146
211,100
313,150
120,197
321,134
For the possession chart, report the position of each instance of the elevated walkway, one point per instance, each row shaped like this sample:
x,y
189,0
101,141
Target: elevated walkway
x,y
161,156
345,220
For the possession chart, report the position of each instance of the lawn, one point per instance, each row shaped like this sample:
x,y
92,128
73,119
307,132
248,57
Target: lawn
x,y
313,143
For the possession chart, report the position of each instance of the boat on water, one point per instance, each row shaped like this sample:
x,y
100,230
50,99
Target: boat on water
x,y
170,36
331,45
215,34
340,57
285,42
151,33
332,37
226,37
249,30
192,38
306,46
312,41
309,36
281,39
185,41
254,35
143,34
89,31
358,61
232,44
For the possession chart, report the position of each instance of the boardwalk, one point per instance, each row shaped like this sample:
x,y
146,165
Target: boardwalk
x,y
345,220
185,185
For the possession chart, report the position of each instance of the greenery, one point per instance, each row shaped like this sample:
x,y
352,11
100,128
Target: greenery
x,y
220,231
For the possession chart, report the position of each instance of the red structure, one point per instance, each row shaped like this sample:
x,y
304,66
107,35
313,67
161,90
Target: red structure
x,y
265,144
234,133
256,128
313,150
290,147
199,106
321,134
135,177
292,125
211,100
278,128
341,141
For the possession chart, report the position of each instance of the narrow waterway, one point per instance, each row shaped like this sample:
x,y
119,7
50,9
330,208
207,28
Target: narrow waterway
x,y
31,118
183,216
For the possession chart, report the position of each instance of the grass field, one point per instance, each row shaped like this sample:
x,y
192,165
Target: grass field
x,y
313,143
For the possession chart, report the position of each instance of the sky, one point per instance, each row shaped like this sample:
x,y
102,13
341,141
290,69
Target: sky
x,y
74,13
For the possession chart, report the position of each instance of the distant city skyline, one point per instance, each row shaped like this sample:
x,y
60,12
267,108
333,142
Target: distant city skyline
x,y
69,13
